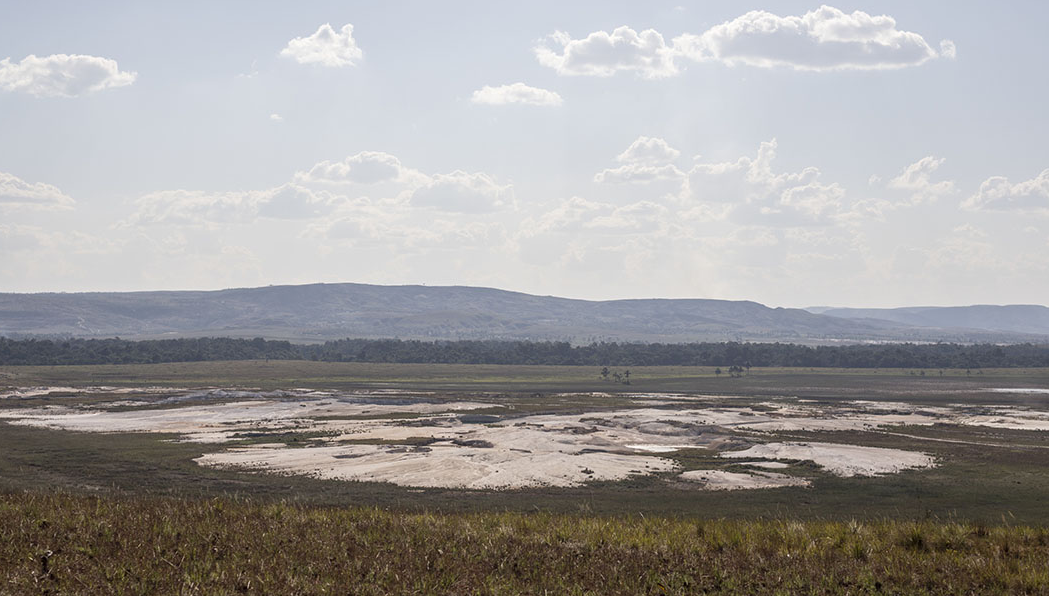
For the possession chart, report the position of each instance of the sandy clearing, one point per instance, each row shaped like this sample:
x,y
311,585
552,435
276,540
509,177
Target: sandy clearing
x,y
1007,417
221,419
722,480
42,391
657,448
441,466
841,460
574,447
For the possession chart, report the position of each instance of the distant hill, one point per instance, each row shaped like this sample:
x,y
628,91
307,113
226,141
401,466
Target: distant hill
x,y
319,312
1015,318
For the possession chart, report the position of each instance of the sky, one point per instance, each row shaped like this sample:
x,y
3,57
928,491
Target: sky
x,y
872,154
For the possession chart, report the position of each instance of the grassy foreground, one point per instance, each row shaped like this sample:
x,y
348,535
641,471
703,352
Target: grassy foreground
x,y
59,543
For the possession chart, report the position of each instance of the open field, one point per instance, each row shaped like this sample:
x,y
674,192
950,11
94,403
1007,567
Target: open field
x,y
317,478
89,545
842,444
283,374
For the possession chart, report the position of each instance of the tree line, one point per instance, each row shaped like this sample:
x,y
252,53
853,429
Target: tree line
x,y
728,354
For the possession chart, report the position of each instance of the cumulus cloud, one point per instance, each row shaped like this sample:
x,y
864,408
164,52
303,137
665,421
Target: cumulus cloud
x,y
515,93
648,151
565,213
15,192
824,39
366,167
276,117
647,159
746,180
604,54
757,193
916,179
292,201
998,194
325,47
462,192
62,75
201,208
638,173
643,216
16,238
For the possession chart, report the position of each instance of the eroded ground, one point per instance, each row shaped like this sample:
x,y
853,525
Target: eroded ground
x,y
488,441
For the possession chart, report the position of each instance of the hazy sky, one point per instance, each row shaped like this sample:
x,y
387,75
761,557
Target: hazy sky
x,y
854,154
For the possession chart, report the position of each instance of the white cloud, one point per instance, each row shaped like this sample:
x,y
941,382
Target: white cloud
x,y
189,207
948,49
647,159
16,238
276,118
823,39
813,200
200,208
915,179
758,194
292,201
746,179
643,216
638,173
515,93
998,194
366,167
15,192
462,192
648,151
325,47
566,213
604,54
62,75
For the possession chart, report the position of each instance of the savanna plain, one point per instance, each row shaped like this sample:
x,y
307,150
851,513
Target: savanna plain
x,y
289,477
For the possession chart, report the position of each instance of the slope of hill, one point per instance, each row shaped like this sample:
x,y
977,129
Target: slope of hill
x,y
1014,318
329,311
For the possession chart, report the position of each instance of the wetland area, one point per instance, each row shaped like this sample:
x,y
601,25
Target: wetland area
x,y
804,442
314,478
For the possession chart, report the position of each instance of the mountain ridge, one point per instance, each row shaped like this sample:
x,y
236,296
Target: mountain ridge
x,y
320,311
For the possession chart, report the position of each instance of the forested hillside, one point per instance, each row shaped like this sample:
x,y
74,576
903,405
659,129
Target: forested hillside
x,y
120,351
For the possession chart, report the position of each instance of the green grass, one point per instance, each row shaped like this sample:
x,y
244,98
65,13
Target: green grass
x,y
520,378
62,544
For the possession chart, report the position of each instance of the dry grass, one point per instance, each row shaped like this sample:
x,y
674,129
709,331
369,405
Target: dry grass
x,y
58,543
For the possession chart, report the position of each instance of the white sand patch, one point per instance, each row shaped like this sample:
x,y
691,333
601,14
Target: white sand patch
x,y
841,460
1008,417
220,421
441,466
657,448
554,449
722,480
43,391
23,392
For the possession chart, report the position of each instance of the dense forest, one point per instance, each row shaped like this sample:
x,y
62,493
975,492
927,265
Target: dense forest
x,y
120,351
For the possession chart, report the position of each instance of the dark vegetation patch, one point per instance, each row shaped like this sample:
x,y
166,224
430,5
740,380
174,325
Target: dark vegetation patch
x,y
68,544
736,357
